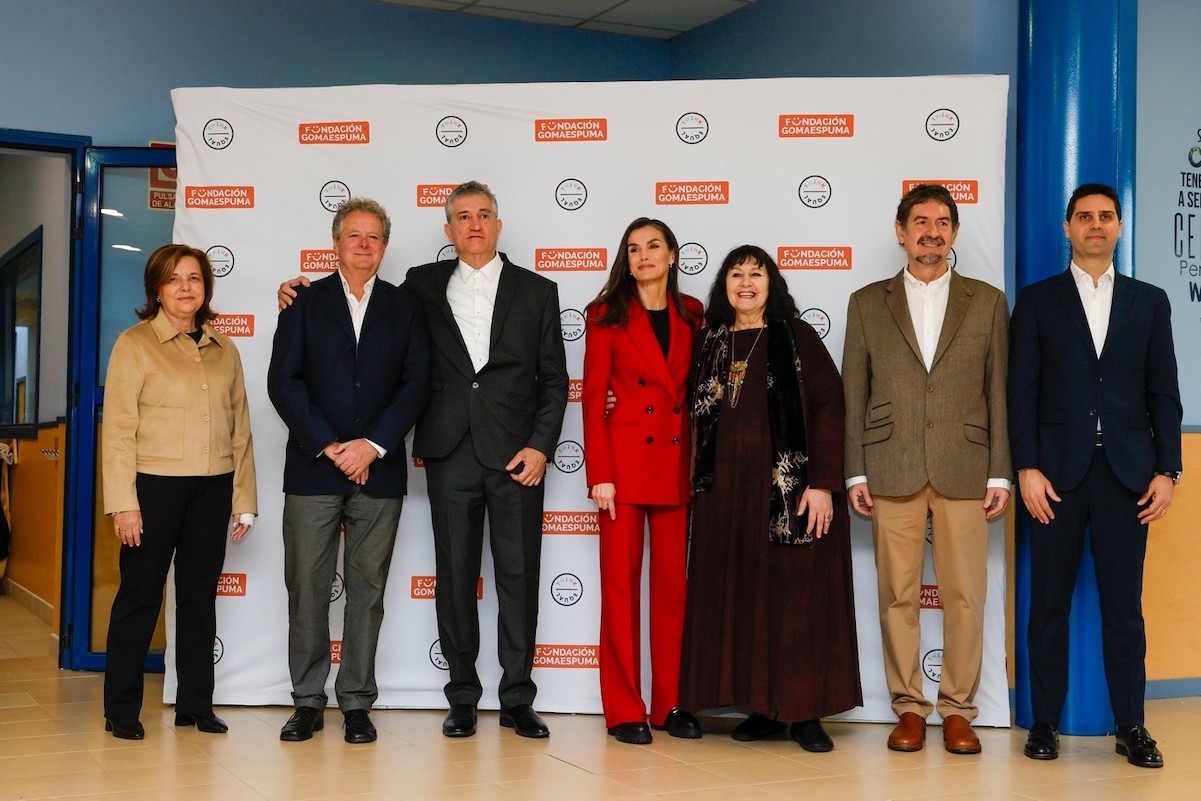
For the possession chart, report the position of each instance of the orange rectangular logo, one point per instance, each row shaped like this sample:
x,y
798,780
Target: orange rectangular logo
x,y
218,197
591,129
318,261
684,193
334,133
234,325
816,125
962,191
231,584
571,259
433,195
813,257
335,652
575,389
570,523
929,599
566,656
418,461
424,588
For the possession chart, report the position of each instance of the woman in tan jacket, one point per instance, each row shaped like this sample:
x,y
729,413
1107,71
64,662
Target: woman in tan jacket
x,y
178,464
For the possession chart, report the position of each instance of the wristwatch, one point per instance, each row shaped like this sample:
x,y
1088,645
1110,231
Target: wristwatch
x,y
1172,474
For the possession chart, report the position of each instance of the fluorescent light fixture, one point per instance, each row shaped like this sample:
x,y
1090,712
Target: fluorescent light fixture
x,y
130,248
111,213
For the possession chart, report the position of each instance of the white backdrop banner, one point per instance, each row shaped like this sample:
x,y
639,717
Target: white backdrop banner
x,y
809,169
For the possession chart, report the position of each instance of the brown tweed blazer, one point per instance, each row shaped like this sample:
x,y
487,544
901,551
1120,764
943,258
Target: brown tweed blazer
x,y
906,427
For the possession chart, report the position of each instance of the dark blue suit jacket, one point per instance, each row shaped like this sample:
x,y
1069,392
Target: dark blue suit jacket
x,y
1058,385
327,389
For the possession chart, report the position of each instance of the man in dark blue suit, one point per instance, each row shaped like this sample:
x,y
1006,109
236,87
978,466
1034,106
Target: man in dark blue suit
x,y
349,376
1094,424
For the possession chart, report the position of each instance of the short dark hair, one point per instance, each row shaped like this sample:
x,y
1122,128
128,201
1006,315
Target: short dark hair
x,y
468,188
923,193
780,305
1084,190
360,204
159,269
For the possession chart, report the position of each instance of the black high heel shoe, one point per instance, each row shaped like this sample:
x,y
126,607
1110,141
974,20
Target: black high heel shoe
x,y
125,729
205,721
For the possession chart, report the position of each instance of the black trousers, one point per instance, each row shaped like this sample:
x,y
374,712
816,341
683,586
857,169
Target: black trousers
x,y
186,517
1119,543
461,489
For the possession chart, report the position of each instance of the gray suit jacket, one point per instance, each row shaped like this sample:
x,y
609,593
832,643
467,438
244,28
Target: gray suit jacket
x,y
906,427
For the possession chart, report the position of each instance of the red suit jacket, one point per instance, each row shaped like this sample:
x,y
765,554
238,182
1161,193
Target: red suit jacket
x,y
644,447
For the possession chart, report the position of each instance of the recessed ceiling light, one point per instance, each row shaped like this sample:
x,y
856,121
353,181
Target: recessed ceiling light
x,y
130,248
111,213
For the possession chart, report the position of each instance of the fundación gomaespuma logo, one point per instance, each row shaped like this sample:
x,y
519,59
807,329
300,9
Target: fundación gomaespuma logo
x,y
357,132
589,129
804,126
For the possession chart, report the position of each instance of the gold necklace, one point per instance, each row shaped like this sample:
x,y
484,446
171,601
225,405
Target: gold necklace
x,y
738,367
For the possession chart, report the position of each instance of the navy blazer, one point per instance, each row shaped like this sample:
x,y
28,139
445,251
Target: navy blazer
x,y
1058,385
519,397
327,388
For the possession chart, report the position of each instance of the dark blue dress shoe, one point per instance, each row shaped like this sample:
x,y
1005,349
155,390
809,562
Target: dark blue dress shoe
x,y
1042,742
205,721
810,735
358,725
1135,743
679,723
636,733
304,721
758,727
524,720
460,721
125,729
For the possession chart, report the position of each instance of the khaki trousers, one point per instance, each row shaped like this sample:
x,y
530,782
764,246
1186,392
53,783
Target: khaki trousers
x,y
960,541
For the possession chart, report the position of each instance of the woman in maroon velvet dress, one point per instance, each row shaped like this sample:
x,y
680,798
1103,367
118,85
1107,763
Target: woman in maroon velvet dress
x,y
770,621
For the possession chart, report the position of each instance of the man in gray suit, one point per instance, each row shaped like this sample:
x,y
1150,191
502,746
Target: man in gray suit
x,y
499,394
924,374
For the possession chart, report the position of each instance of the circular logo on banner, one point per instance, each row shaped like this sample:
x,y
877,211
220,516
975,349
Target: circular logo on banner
x,y
693,258
218,133
436,657
218,650
571,323
942,124
222,259
932,664
451,131
818,319
566,589
447,252
1194,156
336,588
334,194
569,456
952,258
692,128
814,191
571,194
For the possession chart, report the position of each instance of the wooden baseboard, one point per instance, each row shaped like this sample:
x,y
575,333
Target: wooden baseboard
x,y
43,610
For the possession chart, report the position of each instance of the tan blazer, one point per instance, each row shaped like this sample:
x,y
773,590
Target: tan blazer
x,y
906,427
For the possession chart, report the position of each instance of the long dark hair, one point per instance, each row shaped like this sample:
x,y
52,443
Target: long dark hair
x,y
161,266
780,305
621,287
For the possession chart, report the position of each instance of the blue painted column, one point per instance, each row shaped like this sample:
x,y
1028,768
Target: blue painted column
x,y
1076,123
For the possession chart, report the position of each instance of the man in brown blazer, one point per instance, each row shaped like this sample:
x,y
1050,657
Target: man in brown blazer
x,y
924,374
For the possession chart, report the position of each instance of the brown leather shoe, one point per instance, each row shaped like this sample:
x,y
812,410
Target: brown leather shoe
x,y
909,733
958,736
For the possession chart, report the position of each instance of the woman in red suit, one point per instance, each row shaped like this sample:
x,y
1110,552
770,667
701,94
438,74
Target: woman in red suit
x,y
639,345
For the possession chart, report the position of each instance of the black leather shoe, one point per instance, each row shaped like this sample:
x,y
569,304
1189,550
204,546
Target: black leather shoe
x,y
810,735
524,720
1135,743
679,723
206,721
637,733
1042,742
359,728
758,727
304,721
125,729
460,721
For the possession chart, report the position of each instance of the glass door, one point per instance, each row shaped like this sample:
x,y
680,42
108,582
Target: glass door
x,y
128,211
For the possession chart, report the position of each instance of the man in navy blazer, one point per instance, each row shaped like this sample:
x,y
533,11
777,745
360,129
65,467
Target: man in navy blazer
x,y
1094,424
499,391
349,376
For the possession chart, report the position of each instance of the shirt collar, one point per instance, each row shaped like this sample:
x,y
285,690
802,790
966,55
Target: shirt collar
x,y
367,287
165,331
1080,276
490,271
940,282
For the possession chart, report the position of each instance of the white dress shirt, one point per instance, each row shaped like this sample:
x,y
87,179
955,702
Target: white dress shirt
x,y
471,293
358,310
1097,300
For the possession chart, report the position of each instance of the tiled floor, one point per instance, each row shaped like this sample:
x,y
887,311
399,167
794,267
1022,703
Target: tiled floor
x,y
52,745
